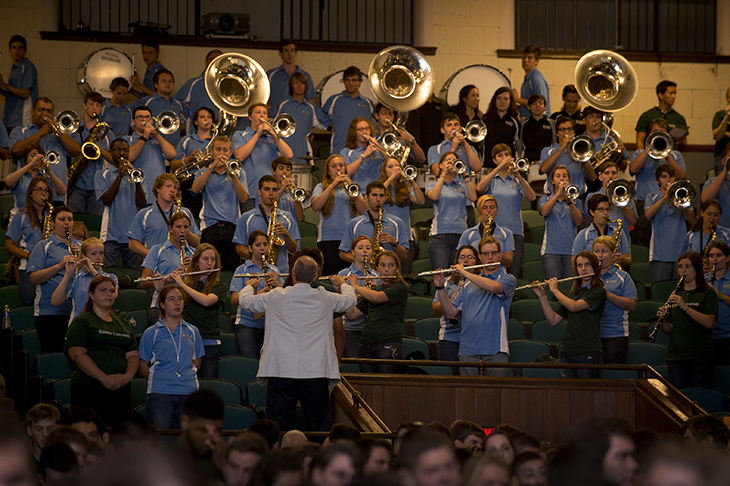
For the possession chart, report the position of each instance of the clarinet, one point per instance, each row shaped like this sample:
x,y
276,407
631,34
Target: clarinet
x,y
663,315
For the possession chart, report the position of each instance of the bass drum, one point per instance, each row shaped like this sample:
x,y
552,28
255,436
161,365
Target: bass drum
x,y
487,78
98,69
332,85
302,175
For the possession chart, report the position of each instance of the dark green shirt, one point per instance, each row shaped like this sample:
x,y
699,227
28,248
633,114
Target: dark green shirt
x,y
720,144
385,319
583,333
206,318
673,118
106,343
689,341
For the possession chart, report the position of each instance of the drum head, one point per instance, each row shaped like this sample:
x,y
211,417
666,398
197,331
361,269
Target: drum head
x,y
97,71
486,78
332,85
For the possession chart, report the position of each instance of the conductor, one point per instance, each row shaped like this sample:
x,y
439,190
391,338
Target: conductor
x,y
298,357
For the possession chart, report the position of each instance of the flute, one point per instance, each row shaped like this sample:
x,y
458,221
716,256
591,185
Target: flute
x,y
449,270
149,279
263,275
544,282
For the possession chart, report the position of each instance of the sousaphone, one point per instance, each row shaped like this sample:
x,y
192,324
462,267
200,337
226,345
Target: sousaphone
x,y
605,80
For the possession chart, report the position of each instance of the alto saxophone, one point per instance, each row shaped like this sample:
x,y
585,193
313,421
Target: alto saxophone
x,y
183,243
616,237
275,241
488,227
377,231
47,222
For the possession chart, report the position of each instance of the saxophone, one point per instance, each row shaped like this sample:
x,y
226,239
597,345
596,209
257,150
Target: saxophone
x,y
275,241
47,222
89,152
178,204
183,244
617,236
69,243
705,251
377,231
488,227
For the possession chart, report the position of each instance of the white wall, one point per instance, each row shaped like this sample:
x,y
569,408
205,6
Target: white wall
x,y
464,31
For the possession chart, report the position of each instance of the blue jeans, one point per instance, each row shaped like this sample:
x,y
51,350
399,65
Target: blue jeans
x,y
114,250
519,253
392,350
695,373
26,289
83,201
663,271
249,341
164,411
581,359
557,266
352,344
442,250
490,358
209,363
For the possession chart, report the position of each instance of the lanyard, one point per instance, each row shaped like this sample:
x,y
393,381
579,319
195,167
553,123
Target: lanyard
x,y
177,345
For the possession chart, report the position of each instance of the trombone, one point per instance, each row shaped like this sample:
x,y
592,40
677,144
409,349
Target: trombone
x,y
620,192
167,122
682,194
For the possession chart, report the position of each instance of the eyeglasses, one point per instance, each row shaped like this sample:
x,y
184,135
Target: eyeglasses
x,y
42,190
603,210
467,257
489,254
141,117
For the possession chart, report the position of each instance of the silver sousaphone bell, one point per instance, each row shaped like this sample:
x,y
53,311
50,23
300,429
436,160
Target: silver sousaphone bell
x,y
606,80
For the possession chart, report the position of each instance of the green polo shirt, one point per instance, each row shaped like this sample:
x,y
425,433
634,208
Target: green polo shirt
x,y
385,319
689,341
583,333
673,118
106,343
206,318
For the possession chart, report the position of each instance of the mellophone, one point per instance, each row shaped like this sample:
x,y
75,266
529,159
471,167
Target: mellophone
x,y
161,277
540,284
263,275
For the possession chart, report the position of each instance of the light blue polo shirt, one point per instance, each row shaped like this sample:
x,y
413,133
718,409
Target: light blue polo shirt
x,y
697,241
615,321
150,160
668,229
117,218
484,315
219,198
253,220
369,170
244,317
646,179
435,152
188,144
449,331
362,225
449,212
78,290
23,235
279,82
20,190
86,182
403,212
119,119
473,236
358,324
584,240
164,259
157,104
577,174
534,83
342,109
258,164
724,198
49,142
160,347
22,76
193,95
508,192
149,74
721,329
307,115
333,227
559,226
45,254
150,228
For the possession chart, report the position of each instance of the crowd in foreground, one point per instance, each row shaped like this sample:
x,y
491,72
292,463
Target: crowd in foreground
x,y
600,452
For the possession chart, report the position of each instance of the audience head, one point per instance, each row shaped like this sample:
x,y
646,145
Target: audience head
x,y
499,444
486,469
707,431
201,421
89,423
269,430
465,433
375,455
530,469
607,442
427,459
64,434
279,468
336,465
40,421
242,457
58,464
340,432
293,438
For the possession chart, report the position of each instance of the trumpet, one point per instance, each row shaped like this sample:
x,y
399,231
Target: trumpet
x,y
167,122
297,193
410,172
521,164
475,131
682,194
665,312
581,149
352,189
135,175
233,167
460,167
659,144
283,125
160,277
66,123
540,284
452,270
572,192
620,192
52,158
